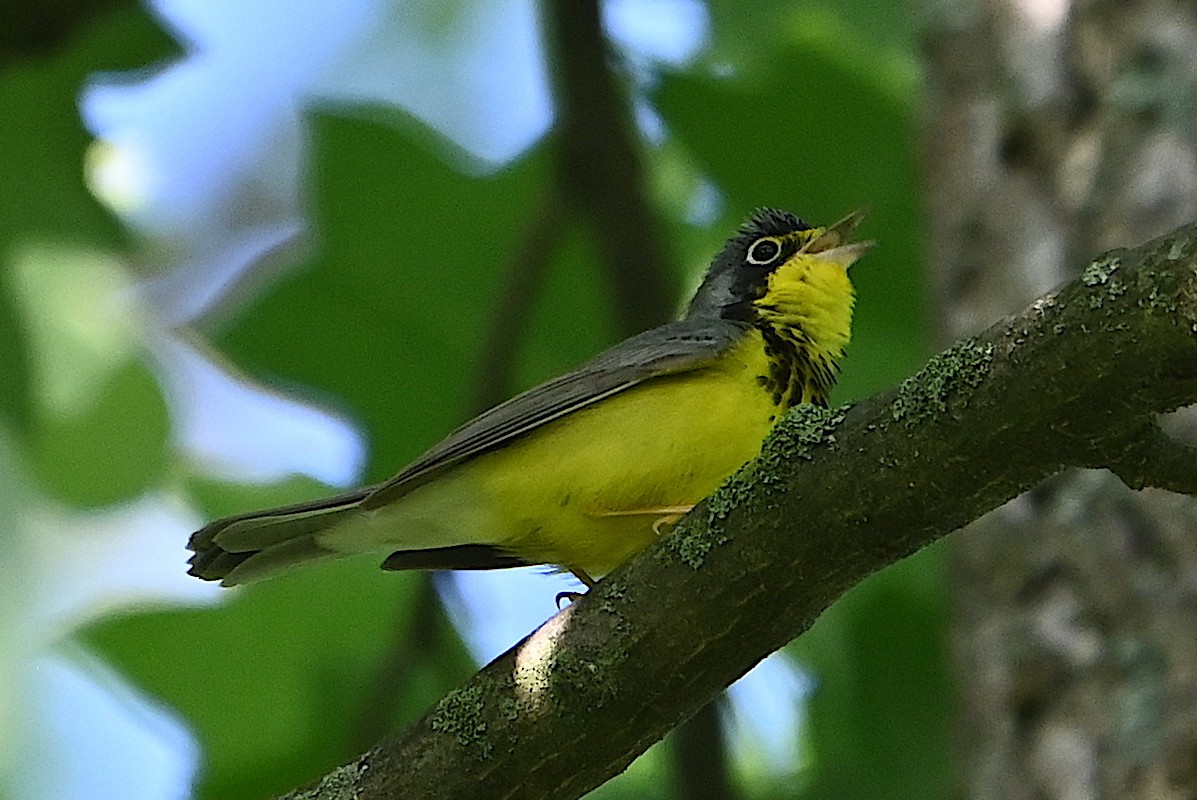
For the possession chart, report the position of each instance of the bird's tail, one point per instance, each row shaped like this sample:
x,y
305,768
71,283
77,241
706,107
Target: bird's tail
x,y
250,547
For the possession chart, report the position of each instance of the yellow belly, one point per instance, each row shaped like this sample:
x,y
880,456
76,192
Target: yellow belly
x,y
562,494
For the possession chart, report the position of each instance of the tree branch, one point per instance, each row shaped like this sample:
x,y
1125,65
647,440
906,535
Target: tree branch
x,y
1154,459
833,497
602,169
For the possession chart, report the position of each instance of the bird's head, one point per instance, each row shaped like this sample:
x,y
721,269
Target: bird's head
x,y
770,260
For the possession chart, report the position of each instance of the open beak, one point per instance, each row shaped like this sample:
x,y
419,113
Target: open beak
x,y
835,235
846,254
832,244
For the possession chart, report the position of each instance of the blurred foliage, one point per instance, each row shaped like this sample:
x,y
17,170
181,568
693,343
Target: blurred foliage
x,y
395,290
276,681
879,723
41,180
115,450
383,320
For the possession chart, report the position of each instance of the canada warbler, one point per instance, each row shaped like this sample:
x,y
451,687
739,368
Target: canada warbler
x,y
585,469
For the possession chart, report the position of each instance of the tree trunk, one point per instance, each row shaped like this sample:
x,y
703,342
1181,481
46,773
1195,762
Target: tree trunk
x,y
1056,130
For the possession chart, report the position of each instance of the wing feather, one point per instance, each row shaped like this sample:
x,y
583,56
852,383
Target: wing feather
x,y
667,350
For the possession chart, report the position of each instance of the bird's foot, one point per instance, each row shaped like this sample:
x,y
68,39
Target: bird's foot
x,y
573,597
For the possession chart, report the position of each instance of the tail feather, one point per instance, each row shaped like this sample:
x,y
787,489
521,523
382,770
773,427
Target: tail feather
x,y
276,559
249,547
461,556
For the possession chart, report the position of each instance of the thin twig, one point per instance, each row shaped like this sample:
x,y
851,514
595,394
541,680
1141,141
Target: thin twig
x,y
602,166
523,278
419,632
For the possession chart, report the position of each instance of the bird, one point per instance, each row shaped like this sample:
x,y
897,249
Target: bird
x,y
588,468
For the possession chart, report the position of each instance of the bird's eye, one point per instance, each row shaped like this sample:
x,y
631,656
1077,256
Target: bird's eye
x,y
764,251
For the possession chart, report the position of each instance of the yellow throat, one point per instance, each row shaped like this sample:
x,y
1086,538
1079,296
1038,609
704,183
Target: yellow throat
x,y
805,318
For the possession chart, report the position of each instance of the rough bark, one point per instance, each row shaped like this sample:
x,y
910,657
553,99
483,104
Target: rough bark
x,y
1078,379
1055,131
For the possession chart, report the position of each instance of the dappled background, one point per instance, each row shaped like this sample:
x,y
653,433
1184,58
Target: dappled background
x,y
254,252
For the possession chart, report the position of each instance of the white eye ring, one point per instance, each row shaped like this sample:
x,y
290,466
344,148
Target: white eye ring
x,y
764,251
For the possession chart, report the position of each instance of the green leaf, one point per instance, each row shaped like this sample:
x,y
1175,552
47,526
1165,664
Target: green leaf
x,y
388,313
572,319
276,681
16,402
880,719
41,172
113,450
747,35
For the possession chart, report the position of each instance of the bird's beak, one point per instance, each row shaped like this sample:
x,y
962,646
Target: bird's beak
x,y
836,235
845,255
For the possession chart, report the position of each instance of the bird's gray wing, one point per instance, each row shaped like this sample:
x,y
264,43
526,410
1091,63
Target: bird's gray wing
x,y
669,349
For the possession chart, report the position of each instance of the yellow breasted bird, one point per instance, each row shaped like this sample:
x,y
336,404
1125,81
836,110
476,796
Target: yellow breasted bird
x,y
582,471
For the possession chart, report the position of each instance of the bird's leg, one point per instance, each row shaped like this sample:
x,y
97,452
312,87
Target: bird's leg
x,y
665,515
586,580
